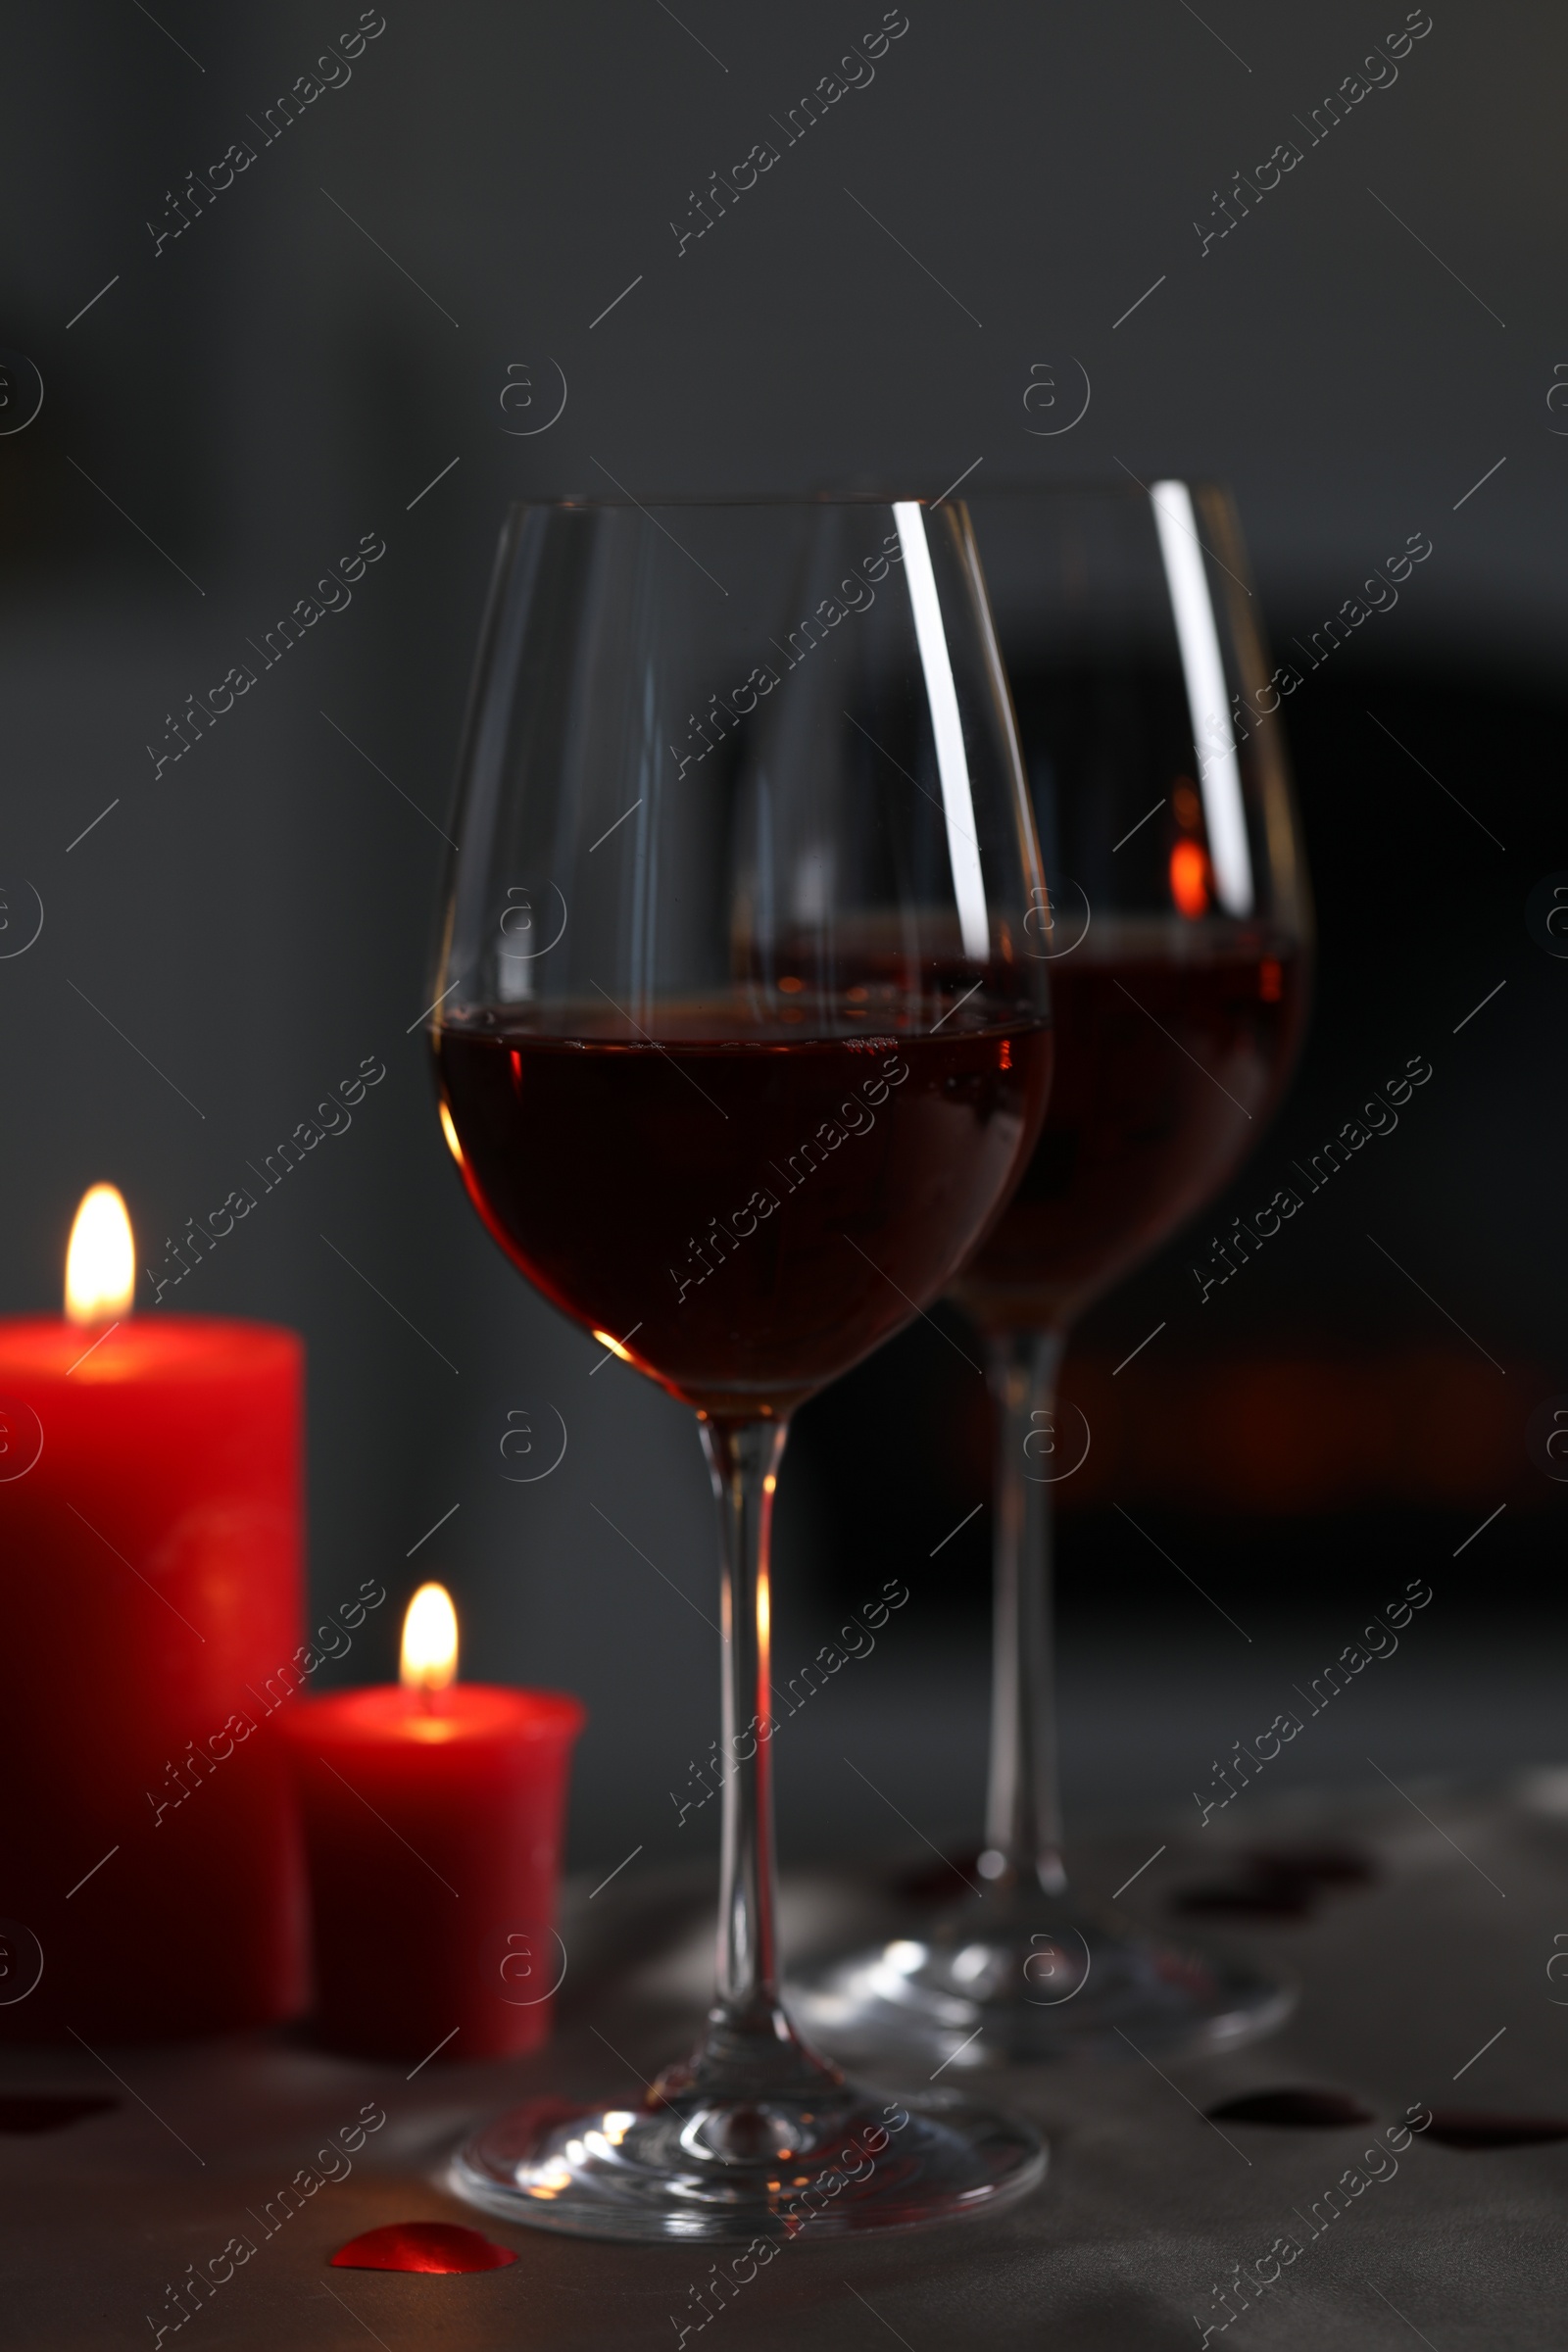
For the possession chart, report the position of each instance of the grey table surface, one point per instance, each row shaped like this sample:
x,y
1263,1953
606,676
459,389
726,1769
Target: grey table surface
x,y
1147,2206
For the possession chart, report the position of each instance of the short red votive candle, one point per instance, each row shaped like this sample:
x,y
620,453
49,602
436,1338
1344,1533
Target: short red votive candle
x,y
433,1814
151,1594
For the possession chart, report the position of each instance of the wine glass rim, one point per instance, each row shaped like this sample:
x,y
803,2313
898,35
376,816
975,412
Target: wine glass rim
x,y
1098,485
594,502
1094,486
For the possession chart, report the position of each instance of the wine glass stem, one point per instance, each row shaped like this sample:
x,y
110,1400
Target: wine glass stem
x,y
744,1459
1023,1812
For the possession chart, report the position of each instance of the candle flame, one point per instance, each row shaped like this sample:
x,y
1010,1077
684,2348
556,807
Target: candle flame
x,y
615,1345
429,1641
101,1259
450,1132
1189,880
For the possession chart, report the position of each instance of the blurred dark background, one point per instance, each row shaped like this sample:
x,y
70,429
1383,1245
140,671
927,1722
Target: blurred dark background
x,y
369,331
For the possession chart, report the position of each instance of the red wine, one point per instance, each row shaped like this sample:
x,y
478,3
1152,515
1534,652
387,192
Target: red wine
x,y
1160,1062
748,1219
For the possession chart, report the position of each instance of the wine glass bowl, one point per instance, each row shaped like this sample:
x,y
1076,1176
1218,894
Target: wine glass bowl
x,y
1177,929
745,935
1180,962
740,1047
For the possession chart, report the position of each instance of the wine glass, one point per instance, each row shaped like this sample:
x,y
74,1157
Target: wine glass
x,y
740,1044
1178,933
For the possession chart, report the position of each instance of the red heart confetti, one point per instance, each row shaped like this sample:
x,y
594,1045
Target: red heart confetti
x,y
1329,1865
1253,1894
433,2246
1309,2110
1459,2127
1284,1883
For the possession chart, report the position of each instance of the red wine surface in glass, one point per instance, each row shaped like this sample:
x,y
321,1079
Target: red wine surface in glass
x,y
1167,1063
744,1220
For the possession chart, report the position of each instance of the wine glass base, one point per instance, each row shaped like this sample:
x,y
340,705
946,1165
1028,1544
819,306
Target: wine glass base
x,y
691,2169
1082,1987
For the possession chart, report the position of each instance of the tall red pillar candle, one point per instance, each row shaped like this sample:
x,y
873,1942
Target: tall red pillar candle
x,y
433,1815
150,1592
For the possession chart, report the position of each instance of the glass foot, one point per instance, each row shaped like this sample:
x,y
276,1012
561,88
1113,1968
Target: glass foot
x,y
1058,1981
691,2168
